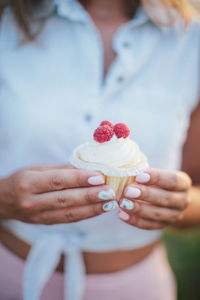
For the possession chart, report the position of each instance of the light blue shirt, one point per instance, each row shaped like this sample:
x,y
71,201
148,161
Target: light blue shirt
x,y
53,95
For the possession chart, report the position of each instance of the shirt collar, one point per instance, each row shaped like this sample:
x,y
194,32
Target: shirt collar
x,y
71,9
140,18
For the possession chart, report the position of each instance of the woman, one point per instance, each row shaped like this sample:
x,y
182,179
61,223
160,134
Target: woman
x,y
64,67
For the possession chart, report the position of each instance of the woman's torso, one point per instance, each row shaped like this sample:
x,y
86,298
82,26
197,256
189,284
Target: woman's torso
x,y
53,92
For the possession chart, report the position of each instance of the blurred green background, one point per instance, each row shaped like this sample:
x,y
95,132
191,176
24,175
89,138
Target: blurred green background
x,y
183,248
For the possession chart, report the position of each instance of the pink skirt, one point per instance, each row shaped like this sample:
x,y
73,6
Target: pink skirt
x,y
150,279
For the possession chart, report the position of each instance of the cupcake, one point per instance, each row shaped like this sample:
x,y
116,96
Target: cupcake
x,y
113,153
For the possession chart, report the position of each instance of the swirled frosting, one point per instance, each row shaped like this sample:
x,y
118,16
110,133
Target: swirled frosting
x,y
115,153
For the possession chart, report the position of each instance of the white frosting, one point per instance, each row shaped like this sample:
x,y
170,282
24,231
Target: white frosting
x,y
115,153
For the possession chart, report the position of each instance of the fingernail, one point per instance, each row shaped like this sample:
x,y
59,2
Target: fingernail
x,y
127,204
132,192
123,215
106,195
110,205
142,178
96,180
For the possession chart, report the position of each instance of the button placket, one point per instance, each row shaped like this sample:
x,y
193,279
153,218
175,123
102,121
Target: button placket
x,y
91,109
117,78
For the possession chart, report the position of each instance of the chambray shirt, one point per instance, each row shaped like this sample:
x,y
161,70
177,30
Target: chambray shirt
x,y
53,94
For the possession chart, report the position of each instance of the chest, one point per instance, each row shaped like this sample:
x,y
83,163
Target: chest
x,y
107,29
107,23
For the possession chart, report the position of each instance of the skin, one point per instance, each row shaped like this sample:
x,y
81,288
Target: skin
x,y
162,200
191,165
50,195
62,194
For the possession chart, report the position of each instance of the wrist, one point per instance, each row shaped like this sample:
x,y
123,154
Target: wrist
x,y
4,199
191,215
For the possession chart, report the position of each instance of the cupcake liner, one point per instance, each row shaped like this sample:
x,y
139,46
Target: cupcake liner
x,y
118,183
124,171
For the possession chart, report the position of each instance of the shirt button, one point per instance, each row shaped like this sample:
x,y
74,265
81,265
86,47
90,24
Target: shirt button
x,y
120,79
88,117
126,44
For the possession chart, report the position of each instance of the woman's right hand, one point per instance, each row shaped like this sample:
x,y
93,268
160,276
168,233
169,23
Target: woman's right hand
x,y
53,195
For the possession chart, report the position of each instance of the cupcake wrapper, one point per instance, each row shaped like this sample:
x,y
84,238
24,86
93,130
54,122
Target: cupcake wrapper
x,y
119,183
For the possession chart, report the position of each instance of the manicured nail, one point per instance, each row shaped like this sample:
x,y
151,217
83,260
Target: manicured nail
x,y
127,204
132,192
106,195
123,215
142,178
110,205
96,180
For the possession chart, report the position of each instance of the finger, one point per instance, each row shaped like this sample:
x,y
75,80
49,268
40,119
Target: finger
x,y
150,212
169,180
140,222
68,215
157,196
45,167
71,197
54,180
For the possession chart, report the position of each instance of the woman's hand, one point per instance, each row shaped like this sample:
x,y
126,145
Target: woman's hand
x,y
158,199
53,194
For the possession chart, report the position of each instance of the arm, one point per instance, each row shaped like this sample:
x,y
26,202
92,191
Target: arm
x,y
191,165
191,215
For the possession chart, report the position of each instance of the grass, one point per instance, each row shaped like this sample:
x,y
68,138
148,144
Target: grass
x,y
183,248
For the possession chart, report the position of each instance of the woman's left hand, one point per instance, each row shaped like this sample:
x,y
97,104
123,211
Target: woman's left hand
x,y
157,199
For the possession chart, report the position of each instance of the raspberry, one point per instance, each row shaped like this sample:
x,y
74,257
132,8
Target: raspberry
x,y
121,130
107,123
103,134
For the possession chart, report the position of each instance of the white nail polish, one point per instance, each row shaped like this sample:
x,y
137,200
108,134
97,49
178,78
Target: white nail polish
x,y
142,178
96,180
106,195
127,204
110,205
123,216
132,192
